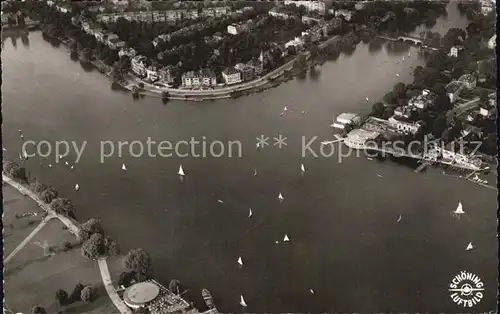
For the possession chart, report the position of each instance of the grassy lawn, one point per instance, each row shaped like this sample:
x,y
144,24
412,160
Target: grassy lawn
x,y
32,277
16,229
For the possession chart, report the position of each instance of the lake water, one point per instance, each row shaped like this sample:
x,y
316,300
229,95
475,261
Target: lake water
x,y
340,216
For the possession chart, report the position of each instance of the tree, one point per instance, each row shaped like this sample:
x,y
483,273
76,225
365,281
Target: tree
x,y
378,109
389,98
48,195
87,294
174,285
140,262
62,297
112,247
76,293
126,278
37,187
399,90
37,309
94,246
388,112
439,126
63,206
439,89
89,228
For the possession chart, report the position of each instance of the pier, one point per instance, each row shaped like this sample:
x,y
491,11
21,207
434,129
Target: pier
x,y
422,166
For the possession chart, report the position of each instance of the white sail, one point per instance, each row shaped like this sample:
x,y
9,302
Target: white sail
x,y
242,301
25,155
250,213
459,209
403,58
285,109
397,74
280,197
50,166
66,163
254,172
220,201
240,261
181,171
380,176
77,187
124,167
409,54
302,168
400,217
72,167
311,290
469,247
367,99
286,238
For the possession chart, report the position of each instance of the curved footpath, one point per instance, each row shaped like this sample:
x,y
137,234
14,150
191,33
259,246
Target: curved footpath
x,y
73,227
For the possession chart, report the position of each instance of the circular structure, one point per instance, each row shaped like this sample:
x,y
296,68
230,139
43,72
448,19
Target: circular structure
x,y
140,294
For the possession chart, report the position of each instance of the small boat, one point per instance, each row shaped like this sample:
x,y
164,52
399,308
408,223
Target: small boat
x,y
369,158
403,58
71,167
367,99
66,163
303,112
50,166
77,187
254,172
379,175
124,167
207,297
397,74
399,219
280,197
311,290
459,209
285,109
250,214
242,301
286,238
181,171
220,201
240,261
469,247
302,168
327,142
22,136
409,54
19,130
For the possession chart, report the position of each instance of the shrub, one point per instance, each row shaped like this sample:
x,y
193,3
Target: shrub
x,y
87,294
48,195
89,228
76,293
63,206
126,278
111,246
67,246
140,262
94,247
62,297
37,309
38,187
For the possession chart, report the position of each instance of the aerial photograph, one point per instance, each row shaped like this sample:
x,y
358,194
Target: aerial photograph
x,y
249,156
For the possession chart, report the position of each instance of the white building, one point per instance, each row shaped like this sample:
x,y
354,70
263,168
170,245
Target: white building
x,y
346,119
310,5
167,74
455,50
203,78
297,42
487,6
234,29
422,101
345,13
468,80
138,65
404,126
231,76
129,52
453,89
276,12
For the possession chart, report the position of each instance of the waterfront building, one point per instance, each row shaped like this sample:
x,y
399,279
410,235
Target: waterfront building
x,y
138,65
347,14
422,101
492,43
453,89
344,120
310,19
152,73
235,29
129,52
455,50
256,65
247,72
278,13
404,125
404,112
231,76
319,6
458,156
358,138
202,78
468,80
487,6
167,74
297,42
215,12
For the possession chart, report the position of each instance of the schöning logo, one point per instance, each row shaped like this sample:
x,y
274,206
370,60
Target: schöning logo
x,y
466,289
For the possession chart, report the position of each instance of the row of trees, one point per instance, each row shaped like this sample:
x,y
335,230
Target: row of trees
x,y
79,293
95,243
14,170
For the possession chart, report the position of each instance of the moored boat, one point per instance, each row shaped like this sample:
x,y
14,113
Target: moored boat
x,y
209,301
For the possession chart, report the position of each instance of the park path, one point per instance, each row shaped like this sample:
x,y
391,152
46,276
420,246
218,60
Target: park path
x,y
73,228
27,239
110,289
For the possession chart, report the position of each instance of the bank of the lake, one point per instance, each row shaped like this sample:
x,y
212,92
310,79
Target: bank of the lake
x,y
340,216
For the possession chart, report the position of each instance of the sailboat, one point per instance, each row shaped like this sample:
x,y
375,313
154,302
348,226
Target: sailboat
x,y
220,201
302,168
311,290
285,109
367,99
459,209
242,301
50,166
250,213
403,58
397,74
71,167
66,163
286,238
19,130
409,54
77,187
240,261
379,175
181,171
124,167
399,219
254,172
469,247
280,197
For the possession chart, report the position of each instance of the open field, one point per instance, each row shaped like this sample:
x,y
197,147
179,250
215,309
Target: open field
x,y
34,275
16,229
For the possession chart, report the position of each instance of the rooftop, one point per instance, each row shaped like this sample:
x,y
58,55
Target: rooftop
x,y
141,293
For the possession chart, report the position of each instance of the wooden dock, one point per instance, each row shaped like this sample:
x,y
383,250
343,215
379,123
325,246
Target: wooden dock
x,y
422,166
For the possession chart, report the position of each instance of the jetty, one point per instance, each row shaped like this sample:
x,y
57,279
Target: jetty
x,y
423,165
